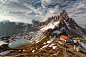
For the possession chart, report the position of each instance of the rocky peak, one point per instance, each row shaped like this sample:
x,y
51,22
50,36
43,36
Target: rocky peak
x,y
35,22
64,15
67,26
64,12
57,18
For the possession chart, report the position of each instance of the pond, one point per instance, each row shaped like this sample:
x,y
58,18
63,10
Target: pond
x,y
20,42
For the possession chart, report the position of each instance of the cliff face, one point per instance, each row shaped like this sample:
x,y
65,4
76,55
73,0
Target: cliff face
x,y
67,26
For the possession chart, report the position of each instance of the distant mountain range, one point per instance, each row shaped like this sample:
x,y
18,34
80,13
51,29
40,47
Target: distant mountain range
x,y
8,28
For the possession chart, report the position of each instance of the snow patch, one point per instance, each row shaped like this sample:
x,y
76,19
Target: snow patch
x,y
66,23
36,47
55,53
50,41
57,31
51,45
44,43
50,25
6,52
38,40
45,46
33,51
23,50
43,29
62,28
54,47
19,50
54,36
60,42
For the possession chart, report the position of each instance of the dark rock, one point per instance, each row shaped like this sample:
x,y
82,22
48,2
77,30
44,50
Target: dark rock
x,y
4,46
5,38
71,28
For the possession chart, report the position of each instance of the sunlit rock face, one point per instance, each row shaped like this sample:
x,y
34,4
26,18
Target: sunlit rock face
x,y
67,26
18,43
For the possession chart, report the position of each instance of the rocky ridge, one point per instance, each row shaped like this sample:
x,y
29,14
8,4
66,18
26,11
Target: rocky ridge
x,y
68,27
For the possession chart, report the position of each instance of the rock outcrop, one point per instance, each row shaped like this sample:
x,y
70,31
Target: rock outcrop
x,y
68,27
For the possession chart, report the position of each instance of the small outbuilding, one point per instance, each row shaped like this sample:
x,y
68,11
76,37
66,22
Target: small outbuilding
x,y
63,38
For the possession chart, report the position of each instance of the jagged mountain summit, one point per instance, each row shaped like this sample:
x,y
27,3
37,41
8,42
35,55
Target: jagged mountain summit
x,y
67,26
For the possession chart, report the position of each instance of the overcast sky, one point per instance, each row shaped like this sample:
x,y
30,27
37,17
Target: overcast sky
x,y
26,10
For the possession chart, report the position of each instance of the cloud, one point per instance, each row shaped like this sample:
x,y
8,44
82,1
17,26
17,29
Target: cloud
x,y
26,10
76,10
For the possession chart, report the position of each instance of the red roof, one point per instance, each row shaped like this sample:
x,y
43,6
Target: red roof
x,y
62,37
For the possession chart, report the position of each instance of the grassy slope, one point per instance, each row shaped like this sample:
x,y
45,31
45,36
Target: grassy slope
x,y
61,50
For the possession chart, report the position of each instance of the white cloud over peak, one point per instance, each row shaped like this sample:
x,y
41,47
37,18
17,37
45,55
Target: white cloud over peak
x,y
26,10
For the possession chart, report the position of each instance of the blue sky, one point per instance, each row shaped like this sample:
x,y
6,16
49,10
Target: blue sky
x,y
26,10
